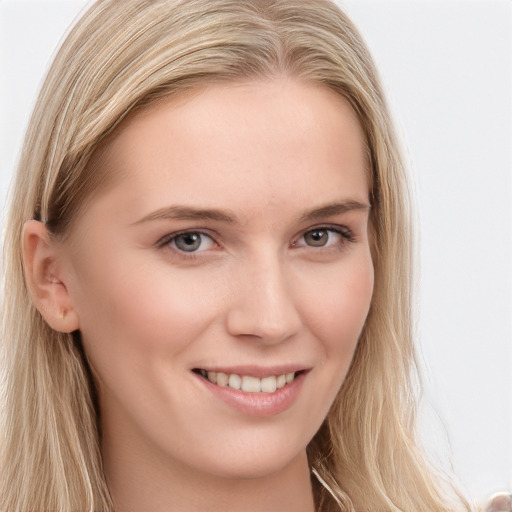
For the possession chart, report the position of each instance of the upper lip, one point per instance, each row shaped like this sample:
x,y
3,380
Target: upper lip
x,y
255,371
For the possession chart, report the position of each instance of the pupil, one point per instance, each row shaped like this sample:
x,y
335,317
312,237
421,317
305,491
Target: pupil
x,y
188,242
317,238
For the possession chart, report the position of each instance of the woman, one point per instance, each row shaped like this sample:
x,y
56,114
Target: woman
x,y
208,266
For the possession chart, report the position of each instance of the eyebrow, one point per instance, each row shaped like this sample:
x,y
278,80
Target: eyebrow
x,y
226,216
188,213
333,209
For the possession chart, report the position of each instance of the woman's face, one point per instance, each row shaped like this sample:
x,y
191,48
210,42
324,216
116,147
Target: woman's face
x,y
232,247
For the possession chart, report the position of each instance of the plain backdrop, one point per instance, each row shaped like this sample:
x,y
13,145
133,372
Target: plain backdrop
x,y
447,69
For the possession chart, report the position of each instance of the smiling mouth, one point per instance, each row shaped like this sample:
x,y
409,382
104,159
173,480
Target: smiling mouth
x,y
248,383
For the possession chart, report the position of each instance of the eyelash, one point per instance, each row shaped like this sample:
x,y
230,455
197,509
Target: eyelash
x,y
345,234
167,240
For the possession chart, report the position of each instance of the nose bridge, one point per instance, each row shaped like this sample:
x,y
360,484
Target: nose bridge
x,y
263,303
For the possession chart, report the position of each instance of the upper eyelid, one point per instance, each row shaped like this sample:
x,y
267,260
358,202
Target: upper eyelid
x,y
170,236
338,228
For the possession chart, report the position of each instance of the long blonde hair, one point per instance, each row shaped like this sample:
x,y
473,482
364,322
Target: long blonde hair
x,y
120,57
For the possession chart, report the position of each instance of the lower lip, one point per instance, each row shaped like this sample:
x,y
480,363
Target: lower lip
x,y
258,404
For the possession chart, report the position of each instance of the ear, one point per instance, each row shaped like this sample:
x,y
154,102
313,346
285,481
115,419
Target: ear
x,y
43,265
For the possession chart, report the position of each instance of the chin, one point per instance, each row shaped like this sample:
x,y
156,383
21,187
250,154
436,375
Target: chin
x,y
256,461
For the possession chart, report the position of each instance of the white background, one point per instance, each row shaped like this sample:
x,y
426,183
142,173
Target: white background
x,y
447,67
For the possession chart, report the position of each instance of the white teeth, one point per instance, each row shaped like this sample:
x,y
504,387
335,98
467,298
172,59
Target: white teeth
x,y
235,381
249,384
268,384
222,379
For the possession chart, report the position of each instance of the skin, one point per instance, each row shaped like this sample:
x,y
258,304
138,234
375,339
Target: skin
x,y
255,292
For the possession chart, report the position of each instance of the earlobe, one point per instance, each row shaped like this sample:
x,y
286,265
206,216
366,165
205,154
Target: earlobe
x,y
42,262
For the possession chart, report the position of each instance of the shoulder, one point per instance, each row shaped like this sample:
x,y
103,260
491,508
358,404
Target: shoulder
x,y
499,502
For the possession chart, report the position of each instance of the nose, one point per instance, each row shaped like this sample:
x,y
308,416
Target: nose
x,y
263,305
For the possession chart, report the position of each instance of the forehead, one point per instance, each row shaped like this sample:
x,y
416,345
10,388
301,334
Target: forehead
x,y
278,138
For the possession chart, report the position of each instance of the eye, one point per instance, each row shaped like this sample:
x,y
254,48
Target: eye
x,y
324,237
190,241
318,237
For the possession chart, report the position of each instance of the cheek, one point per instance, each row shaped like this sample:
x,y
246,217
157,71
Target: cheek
x,y
337,315
336,311
139,312
137,330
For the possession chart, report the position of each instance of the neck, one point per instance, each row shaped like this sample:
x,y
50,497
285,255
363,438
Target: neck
x,y
143,481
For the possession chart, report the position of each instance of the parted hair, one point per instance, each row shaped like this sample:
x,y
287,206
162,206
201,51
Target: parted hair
x,y
121,56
